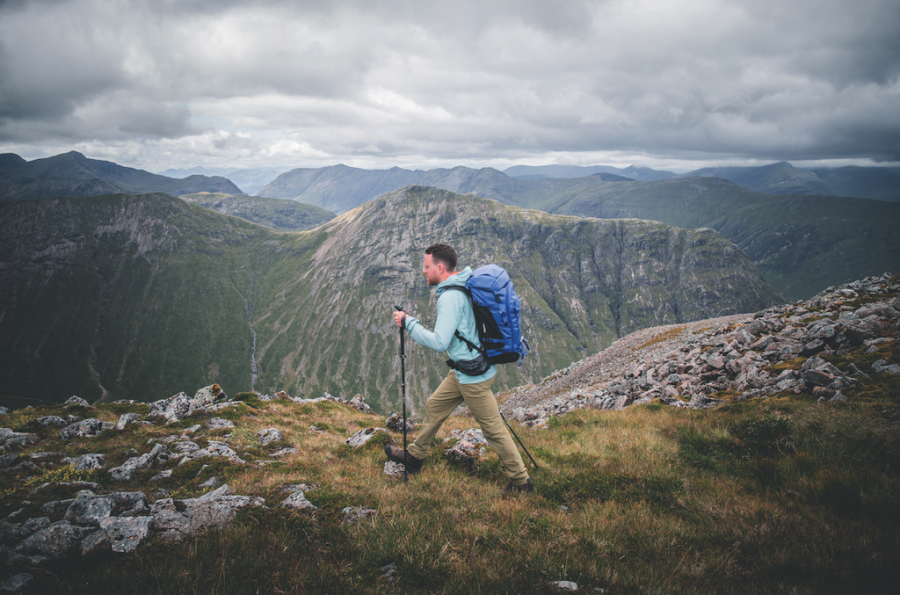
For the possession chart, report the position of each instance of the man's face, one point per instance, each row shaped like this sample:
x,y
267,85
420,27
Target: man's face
x,y
433,270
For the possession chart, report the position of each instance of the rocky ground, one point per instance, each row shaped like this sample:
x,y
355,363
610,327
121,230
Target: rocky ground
x,y
735,358
62,495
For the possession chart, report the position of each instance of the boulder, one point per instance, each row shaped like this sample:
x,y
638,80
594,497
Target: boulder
x,y
128,418
217,423
89,509
54,540
126,471
87,428
176,519
207,396
395,422
359,403
74,401
269,435
121,535
214,449
18,440
298,501
363,436
352,514
87,462
175,408
51,420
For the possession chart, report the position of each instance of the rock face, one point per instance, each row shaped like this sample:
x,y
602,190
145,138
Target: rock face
x,y
733,357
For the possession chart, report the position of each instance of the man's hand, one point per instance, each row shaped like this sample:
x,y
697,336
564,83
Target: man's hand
x,y
398,318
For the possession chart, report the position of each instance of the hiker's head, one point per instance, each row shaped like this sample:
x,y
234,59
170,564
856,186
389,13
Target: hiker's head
x,y
440,263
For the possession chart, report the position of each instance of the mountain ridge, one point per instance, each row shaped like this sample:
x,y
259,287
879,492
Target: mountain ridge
x,y
149,293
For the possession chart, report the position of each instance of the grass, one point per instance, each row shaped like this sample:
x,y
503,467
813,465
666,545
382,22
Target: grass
x,y
782,495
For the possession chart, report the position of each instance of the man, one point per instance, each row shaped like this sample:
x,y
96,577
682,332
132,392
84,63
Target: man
x,y
454,313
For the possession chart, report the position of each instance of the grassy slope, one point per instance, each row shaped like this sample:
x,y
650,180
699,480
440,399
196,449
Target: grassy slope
x,y
283,215
782,495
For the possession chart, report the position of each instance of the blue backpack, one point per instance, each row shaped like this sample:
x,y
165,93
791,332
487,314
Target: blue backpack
x,y
497,315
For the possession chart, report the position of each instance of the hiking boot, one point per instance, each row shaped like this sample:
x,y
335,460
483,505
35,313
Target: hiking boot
x,y
512,488
402,457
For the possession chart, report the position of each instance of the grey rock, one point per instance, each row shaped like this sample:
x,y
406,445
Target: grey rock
x,y
87,428
395,422
393,469
217,423
89,509
16,583
352,514
162,475
127,470
54,540
9,460
87,462
269,435
882,366
359,403
176,519
298,501
185,446
51,420
214,449
212,482
3,410
74,401
10,439
208,395
289,450
565,586
126,419
298,487
129,503
175,408
121,535
363,436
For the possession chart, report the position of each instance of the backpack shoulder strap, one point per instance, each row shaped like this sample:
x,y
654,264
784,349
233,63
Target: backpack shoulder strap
x,y
472,346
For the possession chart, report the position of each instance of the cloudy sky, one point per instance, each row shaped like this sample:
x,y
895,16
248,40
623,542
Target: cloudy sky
x,y
674,84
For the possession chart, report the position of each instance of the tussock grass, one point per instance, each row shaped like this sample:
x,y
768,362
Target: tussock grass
x,y
776,496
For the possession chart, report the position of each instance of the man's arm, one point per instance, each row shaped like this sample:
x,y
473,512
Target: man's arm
x,y
446,324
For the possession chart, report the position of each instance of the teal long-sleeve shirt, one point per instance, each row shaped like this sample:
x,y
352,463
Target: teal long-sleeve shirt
x,y
454,312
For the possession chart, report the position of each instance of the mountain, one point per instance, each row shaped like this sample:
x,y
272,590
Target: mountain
x,y
538,172
250,180
782,178
284,215
74,175
801,244
340,188
825,247
141,296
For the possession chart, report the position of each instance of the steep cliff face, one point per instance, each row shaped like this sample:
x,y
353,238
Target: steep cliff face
x,y
144,296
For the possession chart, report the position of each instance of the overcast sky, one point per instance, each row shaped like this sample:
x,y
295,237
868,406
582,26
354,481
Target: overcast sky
x,y
664,83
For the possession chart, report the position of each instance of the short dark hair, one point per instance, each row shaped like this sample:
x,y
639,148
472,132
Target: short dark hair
x,y
444,254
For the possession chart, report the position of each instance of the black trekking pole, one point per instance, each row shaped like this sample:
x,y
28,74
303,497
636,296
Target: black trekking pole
x,y
403,391
520,441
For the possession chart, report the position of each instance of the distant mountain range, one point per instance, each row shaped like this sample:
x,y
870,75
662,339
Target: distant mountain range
x,y
144,296
782,178
74,175
250,180
801,243
540,172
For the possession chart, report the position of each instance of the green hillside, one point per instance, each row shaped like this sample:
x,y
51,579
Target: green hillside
x,y
801,244
141,297
283,215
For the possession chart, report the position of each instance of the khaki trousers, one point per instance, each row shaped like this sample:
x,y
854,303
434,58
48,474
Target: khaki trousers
x,y
481,402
